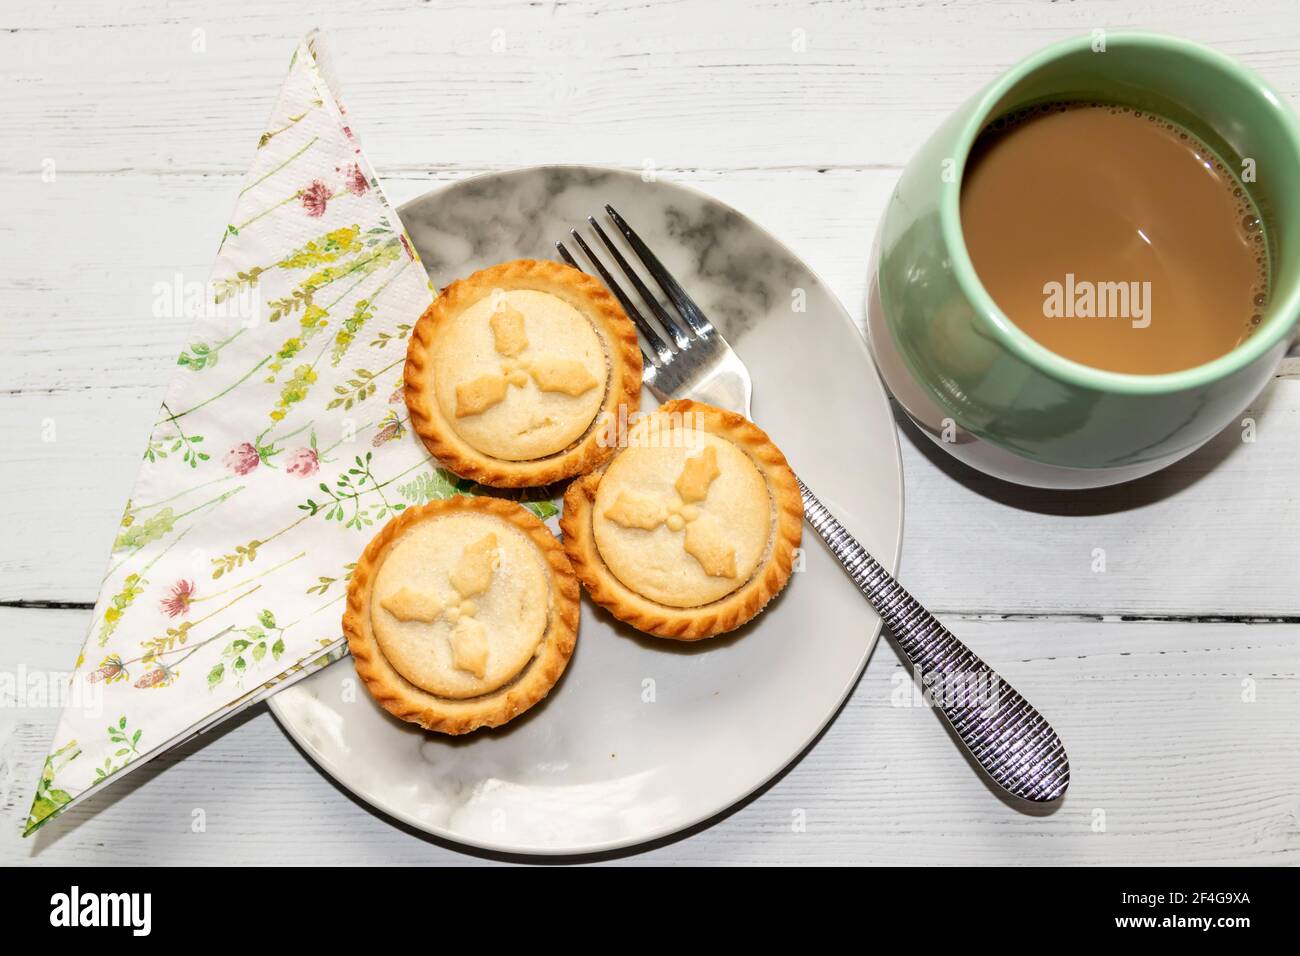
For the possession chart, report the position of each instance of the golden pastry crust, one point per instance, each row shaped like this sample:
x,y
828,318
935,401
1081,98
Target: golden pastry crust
x,y
733,609
448,715
583,293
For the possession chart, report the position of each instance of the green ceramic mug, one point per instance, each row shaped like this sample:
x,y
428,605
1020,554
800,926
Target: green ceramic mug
x,y
991,395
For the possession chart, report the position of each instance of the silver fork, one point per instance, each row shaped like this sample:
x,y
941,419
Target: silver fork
x,y
1011,740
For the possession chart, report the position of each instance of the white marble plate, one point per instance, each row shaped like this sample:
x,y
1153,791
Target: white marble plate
x,y
643,737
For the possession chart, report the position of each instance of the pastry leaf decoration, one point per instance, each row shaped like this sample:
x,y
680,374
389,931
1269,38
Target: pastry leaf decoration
x,y
469,578
408,605
705,543
508,330
636,511
479,395
474,573
469,646
704,540
561,375
697,475
511,341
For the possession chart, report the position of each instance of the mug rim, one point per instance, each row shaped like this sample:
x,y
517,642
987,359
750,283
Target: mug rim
x,y
1011,336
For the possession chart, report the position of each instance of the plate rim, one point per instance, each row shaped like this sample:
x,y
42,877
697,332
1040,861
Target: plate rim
x,y
457,840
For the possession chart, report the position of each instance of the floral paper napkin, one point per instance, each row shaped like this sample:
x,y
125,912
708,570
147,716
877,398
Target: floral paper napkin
x,y
281,447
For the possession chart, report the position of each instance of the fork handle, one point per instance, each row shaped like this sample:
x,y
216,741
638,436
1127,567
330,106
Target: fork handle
x,y
1011,740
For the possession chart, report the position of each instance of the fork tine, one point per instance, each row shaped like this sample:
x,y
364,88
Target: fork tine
x,y
674,327
691,312
649,364
657,343
564,253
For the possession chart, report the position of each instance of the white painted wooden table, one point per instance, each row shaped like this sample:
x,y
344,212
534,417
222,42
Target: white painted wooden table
x,y
1173,675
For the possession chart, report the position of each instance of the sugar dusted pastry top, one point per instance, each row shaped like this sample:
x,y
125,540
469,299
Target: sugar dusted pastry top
x,y
691,528
462,613
514,374
522,374
683,521
460,604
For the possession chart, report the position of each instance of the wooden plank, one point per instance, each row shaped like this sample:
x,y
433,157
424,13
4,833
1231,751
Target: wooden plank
x,y
730,85
1212,535
1160,738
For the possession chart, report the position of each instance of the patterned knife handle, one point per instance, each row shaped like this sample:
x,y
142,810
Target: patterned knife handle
x,y
1011,740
